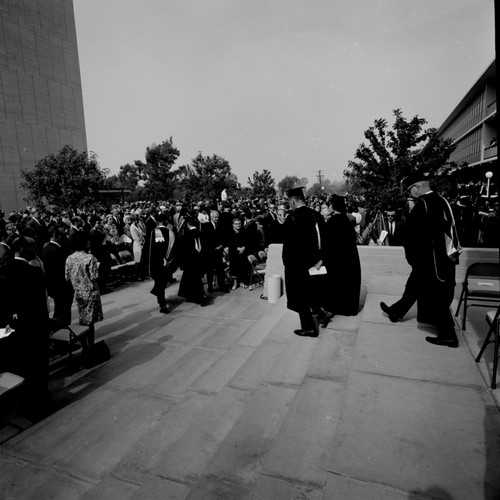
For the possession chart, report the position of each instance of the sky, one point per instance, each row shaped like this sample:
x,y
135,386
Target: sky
x,y
284,85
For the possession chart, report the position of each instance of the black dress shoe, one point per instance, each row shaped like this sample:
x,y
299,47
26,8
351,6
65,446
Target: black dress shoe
x,y
306,333
320,314
164,310
445,342
324,322
385,308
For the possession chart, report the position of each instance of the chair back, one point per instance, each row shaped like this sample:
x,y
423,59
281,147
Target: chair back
x,y
126,256
484,270
252,259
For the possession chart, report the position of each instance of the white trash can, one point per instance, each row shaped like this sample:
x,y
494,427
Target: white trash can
x,y
274,289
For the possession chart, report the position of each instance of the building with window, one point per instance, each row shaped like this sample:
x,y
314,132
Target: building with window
x,y
41,104
472,127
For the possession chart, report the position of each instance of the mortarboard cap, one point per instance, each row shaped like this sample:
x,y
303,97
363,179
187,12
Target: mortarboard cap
x,y
298,191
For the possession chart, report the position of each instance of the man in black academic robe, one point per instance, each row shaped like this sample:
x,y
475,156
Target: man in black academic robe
x,y
301,251
191,285
432,280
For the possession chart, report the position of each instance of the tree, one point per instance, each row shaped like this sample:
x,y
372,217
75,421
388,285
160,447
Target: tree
x,y
288,182
68,179
326,187
129,176
158,180
206,177
391,155
262,184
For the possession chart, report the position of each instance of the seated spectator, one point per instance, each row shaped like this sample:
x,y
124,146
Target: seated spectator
x,y
236,249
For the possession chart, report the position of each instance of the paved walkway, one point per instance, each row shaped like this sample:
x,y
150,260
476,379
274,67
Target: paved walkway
x,y
224,402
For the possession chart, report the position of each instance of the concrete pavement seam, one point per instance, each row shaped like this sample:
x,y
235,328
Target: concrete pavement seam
x,y
414,495
470,386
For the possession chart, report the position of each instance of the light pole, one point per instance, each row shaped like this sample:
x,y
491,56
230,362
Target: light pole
x,y
488,176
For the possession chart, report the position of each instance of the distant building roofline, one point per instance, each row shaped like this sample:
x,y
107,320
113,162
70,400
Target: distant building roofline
x,y
489,73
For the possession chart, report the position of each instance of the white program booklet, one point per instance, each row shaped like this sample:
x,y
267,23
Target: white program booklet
x,y
5,332
314,272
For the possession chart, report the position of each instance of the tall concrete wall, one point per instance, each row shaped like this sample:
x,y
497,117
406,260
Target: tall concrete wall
x,y
41,104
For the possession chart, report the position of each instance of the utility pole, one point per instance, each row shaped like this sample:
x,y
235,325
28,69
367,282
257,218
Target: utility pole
x,y
320,177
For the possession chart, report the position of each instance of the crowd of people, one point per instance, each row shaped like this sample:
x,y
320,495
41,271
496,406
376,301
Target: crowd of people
x,y
70,257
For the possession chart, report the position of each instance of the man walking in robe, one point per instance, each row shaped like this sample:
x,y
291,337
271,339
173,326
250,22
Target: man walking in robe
x,y
432,280
301,252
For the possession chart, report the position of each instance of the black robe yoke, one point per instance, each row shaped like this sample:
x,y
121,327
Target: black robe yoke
x,y
301,252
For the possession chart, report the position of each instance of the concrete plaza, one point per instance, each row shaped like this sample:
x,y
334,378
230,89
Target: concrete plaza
x,y
225,402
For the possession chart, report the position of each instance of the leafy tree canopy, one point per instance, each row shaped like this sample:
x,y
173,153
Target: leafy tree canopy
x,y
262,184
389,155
288,182
68,179
129,176
206,177
156,172
326,187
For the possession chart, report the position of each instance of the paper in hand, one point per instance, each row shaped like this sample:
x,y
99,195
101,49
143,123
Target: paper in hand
x,y
315,272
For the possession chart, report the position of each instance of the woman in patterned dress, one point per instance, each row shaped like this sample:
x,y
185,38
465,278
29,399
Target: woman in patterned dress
x,y
82,269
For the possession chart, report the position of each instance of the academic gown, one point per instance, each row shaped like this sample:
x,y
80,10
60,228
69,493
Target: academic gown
x,y
191,285
341,259
301,252
426,253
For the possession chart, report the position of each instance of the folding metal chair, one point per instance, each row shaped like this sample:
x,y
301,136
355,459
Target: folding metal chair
x,y
73,336
257,272
481,287
492,318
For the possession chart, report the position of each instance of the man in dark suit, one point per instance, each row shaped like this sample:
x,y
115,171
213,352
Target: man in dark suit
x,y
432,280
394,230
161,258
211,252
29,344
54,256
118,220
301,251
37,229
